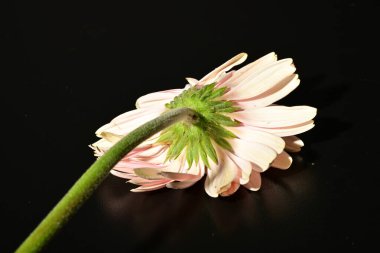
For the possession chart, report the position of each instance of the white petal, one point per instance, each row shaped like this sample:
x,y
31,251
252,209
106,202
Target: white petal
x,y
293,143
250,134
282,161
101,146
276,116
256,153
111,137
258,83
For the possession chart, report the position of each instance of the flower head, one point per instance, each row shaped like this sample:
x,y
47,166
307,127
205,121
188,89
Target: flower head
x,y
239,132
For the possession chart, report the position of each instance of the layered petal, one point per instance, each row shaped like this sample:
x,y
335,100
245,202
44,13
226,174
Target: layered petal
x,y
276,116
159,98
216,73
250,134
289,130
185,179
180,184
254,183
251,68
282,161
243,165
151,187
259,82
128,121
234,186
293,143
280,90
257,153
220,175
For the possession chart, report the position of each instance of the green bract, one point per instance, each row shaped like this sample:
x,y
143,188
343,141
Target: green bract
x,y
198,138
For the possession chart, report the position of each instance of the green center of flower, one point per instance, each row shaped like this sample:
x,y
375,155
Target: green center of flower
x,y
197,139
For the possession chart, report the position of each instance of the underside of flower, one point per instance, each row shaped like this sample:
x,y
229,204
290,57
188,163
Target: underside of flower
x,y
237,133
198,139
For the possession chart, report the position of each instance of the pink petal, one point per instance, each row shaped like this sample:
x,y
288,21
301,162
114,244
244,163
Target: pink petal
x,y
256,153
282,89
254,183
144,188
121,174
129,165
215,74
180,176
149,173
180,185
289,130
187,176
225,79
192,81
235,184
140,181
256,168
293,143
128,116
157,159
159,98
250,134
220,176
147,154
276,116
146,182
253,67
282,161
258,83
244,165
129,121
136,114
233,188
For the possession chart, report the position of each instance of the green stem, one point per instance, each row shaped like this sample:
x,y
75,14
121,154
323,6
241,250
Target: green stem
x,y
91,179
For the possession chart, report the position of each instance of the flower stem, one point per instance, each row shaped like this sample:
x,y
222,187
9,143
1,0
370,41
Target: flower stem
x,y
91,179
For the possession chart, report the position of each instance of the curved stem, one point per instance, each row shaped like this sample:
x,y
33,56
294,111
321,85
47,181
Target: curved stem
x,y
90,180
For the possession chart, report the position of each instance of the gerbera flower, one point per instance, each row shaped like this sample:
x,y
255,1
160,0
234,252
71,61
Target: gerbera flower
x,y
239,134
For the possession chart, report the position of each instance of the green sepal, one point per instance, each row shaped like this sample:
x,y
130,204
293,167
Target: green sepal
x,y
198,140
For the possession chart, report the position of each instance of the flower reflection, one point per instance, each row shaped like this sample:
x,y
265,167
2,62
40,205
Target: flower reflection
x,y
151,217
169,216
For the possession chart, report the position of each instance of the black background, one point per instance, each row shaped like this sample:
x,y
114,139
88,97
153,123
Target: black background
x,y
68,68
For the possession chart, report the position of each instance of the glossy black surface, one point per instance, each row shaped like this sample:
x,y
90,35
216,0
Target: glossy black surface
x,y
71,67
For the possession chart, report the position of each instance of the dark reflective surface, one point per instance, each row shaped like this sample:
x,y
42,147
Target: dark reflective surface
x,y
69,68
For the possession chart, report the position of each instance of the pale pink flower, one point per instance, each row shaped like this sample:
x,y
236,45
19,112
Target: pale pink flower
x,y
265,130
